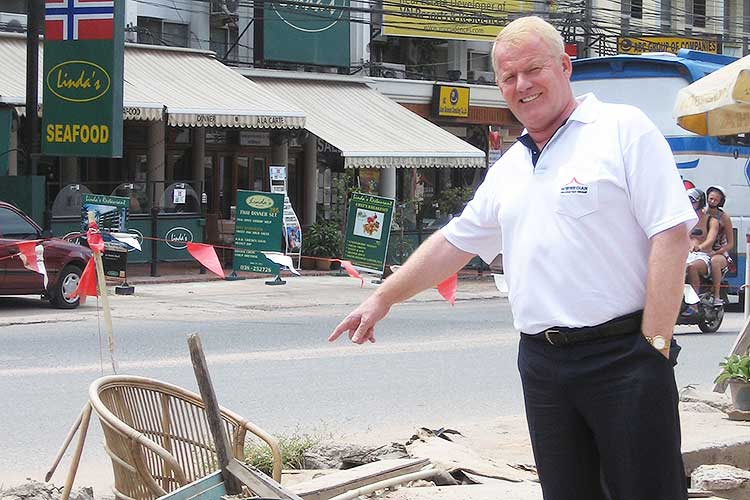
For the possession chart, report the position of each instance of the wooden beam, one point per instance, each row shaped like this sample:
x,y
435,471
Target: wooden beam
x,y
259,482
215,423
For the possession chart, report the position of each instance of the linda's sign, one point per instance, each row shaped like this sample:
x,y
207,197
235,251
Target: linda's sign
x,y
83,78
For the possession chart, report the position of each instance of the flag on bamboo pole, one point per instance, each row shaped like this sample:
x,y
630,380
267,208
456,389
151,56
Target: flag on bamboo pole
x,y
206,256
87,282
447,288
31,254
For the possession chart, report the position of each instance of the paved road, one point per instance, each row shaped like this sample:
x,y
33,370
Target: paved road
x,y
432,365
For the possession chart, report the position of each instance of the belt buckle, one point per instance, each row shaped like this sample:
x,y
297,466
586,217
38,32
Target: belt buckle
x,y
547,332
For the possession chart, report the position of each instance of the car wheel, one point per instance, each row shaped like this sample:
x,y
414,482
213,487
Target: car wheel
x,y
66,283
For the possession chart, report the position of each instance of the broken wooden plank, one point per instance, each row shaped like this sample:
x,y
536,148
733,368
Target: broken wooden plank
x,y
259,482
339,482
213,414
210,487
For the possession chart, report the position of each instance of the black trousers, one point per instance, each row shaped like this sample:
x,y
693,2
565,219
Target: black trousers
x,y
603,419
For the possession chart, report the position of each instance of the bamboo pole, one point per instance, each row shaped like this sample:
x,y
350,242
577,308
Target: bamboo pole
x,y
65,444
85,417
101,281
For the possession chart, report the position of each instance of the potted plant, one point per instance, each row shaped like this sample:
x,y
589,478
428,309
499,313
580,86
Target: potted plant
x,y
322,239
735,370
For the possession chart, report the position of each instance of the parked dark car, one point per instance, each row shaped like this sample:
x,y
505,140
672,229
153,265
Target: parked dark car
x,y
63,260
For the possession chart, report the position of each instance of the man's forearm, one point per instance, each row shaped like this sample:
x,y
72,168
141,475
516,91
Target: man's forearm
x,y
664,282
434,260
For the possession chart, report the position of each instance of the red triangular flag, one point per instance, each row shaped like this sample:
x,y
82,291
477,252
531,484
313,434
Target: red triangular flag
x,y
94,238
87,283
31,254
447,288
349,268
206,255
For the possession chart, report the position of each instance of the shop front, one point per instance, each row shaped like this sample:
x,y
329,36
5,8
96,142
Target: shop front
x,y
194,132
360,138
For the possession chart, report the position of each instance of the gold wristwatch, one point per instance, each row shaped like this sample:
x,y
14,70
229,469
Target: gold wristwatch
x,y
658,342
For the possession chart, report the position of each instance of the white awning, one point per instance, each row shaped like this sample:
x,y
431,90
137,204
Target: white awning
x,y
192,87
370,129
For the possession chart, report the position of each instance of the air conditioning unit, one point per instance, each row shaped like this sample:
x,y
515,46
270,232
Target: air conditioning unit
x,y
482,77
392,70
12,22
224,12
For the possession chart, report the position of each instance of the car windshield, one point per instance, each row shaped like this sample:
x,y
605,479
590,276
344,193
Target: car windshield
x,y
15,227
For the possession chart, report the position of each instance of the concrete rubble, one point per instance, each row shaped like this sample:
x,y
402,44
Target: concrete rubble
x,y
35,490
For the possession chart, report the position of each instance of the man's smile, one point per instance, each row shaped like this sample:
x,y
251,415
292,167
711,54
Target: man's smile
x,y
530,98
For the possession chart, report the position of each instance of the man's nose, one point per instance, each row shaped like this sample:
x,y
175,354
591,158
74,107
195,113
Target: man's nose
x,y
522,83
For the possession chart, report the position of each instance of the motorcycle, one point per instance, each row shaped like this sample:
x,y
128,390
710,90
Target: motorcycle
x,y
704,313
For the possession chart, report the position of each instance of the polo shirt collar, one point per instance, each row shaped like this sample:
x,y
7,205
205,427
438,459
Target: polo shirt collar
x,y
586,112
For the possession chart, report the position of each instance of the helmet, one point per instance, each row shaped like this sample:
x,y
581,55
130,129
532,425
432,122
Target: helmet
x,y
721,190
696,194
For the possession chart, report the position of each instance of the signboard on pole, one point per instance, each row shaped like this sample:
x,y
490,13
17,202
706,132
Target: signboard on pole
x,y
292,227
110,214
83,78
368,228
258,228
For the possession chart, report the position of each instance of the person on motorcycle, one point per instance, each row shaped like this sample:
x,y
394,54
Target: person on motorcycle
x,y
720,259
702,239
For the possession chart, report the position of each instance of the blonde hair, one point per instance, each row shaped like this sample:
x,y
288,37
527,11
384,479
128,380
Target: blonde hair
x,y
526,28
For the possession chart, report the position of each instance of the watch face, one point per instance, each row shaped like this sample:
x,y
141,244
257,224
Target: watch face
x,y
659,342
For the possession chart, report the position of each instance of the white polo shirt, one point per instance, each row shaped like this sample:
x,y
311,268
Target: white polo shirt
x,y
576,228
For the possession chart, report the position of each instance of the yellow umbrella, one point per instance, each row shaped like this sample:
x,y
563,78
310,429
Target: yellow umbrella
x,y
717,104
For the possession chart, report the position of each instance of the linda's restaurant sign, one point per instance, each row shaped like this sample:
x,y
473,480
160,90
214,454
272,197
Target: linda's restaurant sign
x,y
306,31
449,100
83,75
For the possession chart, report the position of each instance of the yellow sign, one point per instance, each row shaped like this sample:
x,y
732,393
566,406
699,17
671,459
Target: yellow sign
x,y
77,133
641,44
451,19
78,81
452,101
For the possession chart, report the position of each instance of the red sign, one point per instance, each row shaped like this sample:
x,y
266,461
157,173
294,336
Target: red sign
x,y
79,19
571,49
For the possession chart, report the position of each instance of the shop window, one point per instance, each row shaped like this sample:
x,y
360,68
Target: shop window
x,y
180,197
137,192
222,39
175,34
636,9
699,13
68,201
154,31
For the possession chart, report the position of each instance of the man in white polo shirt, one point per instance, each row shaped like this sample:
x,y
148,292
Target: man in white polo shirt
x,y
592,220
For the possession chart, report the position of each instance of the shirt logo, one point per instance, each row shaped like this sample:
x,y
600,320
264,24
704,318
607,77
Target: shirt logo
x,y
574,187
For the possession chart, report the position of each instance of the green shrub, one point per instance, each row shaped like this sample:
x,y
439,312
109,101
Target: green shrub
x,y
736,367
293,448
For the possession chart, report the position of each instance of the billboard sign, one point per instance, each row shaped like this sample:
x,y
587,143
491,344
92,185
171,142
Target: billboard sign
x,y
306,32
641,44
368,227
83,78
258,228
450,19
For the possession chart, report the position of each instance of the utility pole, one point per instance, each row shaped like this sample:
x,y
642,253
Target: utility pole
x,y
31,143
587,28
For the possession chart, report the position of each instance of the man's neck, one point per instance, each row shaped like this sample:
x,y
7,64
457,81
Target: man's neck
x,y
542,138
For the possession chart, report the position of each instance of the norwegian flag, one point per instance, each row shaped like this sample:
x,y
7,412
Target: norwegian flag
x,y
79,19
31,254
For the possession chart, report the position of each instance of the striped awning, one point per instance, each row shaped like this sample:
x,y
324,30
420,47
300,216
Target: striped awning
x,y
368,128
191,87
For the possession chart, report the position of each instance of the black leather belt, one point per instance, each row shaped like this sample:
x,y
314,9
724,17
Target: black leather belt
x,y
560,336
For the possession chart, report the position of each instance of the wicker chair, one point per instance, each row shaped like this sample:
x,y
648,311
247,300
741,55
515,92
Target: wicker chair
x,y
158,438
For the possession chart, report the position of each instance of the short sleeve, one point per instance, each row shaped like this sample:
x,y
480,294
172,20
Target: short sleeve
x,y
657,195
477,229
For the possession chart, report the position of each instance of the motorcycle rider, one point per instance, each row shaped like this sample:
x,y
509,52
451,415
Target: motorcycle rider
x,y
720,259
702,239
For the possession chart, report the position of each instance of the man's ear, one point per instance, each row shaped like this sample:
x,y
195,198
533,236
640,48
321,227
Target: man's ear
x,y
566,65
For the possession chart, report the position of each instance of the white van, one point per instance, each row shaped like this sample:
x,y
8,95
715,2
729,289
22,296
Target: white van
x,y
651,82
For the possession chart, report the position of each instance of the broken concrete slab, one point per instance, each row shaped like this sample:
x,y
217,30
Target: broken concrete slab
x,y
525,490
711,438
724,481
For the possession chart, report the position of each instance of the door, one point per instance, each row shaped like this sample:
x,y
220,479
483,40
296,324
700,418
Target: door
x,y
14,278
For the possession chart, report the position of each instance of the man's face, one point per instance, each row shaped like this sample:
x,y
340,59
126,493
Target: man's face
x,y
714,198
534,83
